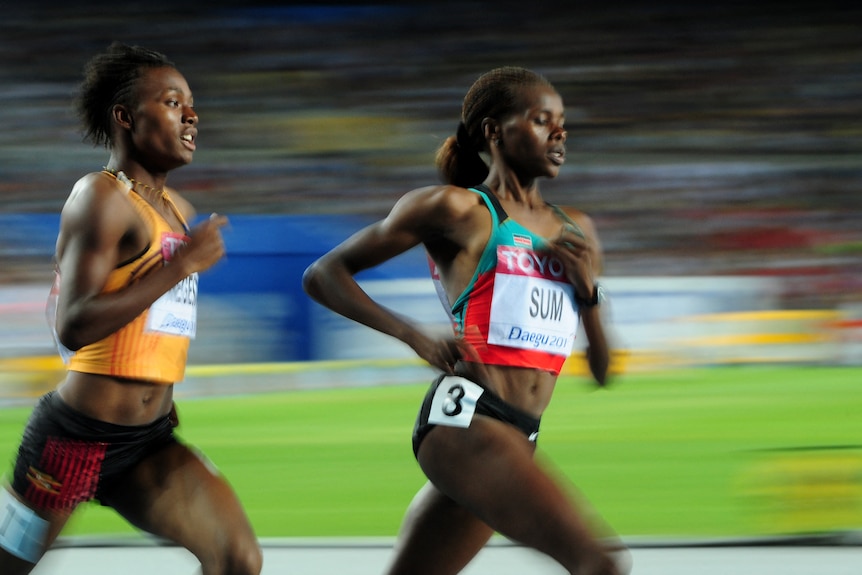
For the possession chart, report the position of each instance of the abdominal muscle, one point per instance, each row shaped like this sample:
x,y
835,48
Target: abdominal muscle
x,y
527,389
118,401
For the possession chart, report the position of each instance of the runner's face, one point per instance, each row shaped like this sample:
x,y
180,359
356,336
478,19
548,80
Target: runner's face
x,y
164,122
533,140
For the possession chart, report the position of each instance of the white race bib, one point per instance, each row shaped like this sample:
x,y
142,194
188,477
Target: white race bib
x,y
533,304
454,402
22,532
175,312
51,315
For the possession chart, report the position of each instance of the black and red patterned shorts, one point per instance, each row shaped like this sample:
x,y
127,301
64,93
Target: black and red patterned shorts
x,y
66,458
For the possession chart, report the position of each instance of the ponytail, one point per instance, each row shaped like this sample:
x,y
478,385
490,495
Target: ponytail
x,y
458,160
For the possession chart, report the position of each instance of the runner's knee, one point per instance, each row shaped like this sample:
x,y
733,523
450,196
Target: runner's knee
x,y
246,558
598,561
242,557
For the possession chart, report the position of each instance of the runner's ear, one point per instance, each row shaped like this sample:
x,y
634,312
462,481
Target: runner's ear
x,y
121,116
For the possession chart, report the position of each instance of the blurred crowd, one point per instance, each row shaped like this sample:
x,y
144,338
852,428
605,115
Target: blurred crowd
x,y
704,139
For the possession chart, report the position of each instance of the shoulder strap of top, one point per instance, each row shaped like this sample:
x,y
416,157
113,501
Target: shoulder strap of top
x,y
568,220
120,178
486,191
128,185
176,211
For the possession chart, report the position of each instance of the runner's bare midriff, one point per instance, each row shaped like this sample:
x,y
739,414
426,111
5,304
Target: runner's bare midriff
x,y
119,401
527,389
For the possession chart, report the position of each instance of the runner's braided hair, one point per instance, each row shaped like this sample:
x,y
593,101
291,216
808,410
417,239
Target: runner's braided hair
x,y
496,94
109,79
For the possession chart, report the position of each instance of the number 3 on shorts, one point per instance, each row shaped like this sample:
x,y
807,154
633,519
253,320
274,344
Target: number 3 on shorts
x,y
454,402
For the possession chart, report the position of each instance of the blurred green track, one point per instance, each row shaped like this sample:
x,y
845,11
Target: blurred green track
x,y
720,452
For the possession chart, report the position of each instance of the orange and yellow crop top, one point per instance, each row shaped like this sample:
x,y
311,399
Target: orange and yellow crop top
x,y
154,346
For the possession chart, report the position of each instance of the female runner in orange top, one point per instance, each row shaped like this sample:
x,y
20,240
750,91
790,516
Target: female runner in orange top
x,y
123,310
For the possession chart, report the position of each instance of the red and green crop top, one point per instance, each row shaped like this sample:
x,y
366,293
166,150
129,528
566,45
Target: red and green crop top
x,y
518,309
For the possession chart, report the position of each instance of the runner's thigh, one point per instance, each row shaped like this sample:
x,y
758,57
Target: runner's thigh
x,y
490,469
175,494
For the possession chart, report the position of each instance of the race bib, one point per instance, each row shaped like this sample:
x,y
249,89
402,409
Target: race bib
x,y
22,532
175,313
533,305
51,315
454,402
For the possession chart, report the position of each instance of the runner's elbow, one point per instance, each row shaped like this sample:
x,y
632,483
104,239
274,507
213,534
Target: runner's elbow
x,y
311,280
599,365
70,338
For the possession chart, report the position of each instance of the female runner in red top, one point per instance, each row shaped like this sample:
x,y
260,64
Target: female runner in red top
x,y
517,275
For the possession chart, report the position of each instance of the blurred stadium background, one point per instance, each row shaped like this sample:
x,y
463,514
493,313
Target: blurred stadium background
x,y
716,145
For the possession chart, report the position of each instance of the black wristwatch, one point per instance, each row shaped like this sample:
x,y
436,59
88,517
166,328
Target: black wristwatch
x,y
592,301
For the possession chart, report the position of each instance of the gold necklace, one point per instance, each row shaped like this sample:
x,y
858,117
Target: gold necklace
x,y
162,194
159,192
